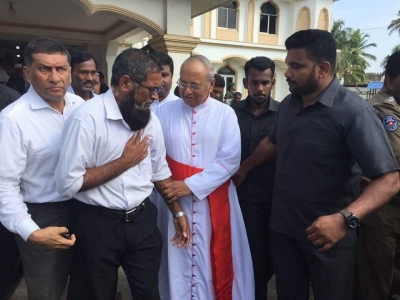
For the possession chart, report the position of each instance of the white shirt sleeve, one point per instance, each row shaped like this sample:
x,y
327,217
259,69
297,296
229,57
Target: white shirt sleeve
x,y
14,151
76,151
225,164
159,163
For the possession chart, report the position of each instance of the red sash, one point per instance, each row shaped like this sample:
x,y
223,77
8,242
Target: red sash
x,y
221,241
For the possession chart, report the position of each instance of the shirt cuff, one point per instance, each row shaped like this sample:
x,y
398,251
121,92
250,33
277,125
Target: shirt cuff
x,y
26,227
73,189
161,176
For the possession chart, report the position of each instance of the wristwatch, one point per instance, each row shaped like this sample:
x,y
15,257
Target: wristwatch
x,y
352,222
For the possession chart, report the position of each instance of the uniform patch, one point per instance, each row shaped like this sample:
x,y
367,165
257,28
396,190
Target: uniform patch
x,y
390,123
390,99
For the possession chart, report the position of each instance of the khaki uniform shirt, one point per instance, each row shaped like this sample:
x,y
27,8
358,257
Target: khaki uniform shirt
x,y
388,217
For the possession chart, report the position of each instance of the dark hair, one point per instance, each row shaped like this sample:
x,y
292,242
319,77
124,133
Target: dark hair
x,y
392,68
237,93
319,45
78,57
164,59
219,81
135,63
44,45
260,63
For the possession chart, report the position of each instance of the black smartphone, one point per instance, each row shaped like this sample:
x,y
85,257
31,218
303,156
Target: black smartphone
x,y
66,236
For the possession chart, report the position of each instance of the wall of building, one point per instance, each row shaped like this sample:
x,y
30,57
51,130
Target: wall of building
x,y
228,46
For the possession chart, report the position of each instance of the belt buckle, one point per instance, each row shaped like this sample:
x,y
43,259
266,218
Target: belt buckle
x,y
129,212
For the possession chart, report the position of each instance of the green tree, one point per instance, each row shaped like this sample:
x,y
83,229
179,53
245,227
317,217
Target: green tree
x,y
353,57
394,25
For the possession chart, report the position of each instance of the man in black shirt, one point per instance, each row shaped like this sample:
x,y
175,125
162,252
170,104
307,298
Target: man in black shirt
x,y
256,115
323,133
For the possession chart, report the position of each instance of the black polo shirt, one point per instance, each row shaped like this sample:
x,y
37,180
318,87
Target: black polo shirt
x,y
319,150
259,183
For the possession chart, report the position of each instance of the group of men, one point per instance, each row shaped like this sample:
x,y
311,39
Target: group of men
x,y
193,198
231,95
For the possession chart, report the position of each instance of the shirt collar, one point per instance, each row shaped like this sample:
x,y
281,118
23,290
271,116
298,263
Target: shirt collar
x,y
387,96
35,101
202,105
111,106
271,105
326,97
71,90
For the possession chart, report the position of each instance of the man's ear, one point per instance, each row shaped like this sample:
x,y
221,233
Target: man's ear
x,y
126,84
245,83
324,69
389,82
27,74
212,84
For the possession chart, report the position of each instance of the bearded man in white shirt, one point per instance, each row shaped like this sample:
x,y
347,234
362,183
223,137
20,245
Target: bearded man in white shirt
x,y
116,223
165,94
202,139
30,134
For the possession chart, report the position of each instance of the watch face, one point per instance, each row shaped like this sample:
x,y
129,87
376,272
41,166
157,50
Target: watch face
x,y
353,222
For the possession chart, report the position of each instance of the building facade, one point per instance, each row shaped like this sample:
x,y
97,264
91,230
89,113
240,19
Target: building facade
x,y
227,32
239,30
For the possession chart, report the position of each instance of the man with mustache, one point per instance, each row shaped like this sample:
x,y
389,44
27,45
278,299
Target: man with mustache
x,y
237,96
323,135
84,74
165,94
202,139
30,141
256,116
112,153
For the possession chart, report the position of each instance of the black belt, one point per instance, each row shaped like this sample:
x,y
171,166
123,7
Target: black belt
x,y
126,215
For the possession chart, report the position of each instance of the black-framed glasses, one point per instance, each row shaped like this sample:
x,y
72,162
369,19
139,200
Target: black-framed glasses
x,y
153,89
192,86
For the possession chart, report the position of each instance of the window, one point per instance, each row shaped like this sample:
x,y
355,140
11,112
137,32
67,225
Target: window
x,y
268,18
227,15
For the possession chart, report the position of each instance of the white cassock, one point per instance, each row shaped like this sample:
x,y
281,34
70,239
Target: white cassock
x,y
206,137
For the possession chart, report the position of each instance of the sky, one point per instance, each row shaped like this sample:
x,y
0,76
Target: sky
x,y
373,17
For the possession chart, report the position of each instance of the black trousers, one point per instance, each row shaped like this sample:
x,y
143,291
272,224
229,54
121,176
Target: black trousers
x,y
46,270
104,244
11,267
256,219
297,263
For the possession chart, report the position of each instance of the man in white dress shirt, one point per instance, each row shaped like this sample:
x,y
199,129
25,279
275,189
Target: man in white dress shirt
x,y
165,94
116,223
30,140
202,139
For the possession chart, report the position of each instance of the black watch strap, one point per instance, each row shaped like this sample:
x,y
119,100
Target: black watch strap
x,y
346,213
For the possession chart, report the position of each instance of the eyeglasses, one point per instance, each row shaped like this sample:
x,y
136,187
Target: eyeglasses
x,y
193,87
153,90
